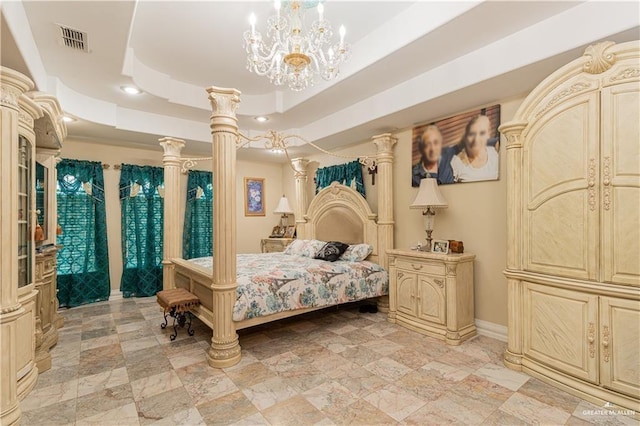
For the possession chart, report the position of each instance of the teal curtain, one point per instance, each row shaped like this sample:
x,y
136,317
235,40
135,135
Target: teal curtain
x,y
83,260
197,240
347,174
142,220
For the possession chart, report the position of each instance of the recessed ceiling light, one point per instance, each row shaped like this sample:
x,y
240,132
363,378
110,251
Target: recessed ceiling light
x,y
131,90
68,119
261,119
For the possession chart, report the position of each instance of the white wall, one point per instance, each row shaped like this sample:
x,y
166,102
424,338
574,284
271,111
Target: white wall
x,y
249,229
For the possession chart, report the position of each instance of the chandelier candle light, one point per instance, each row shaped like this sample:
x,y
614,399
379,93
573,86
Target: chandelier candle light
x,y
293,56
428,199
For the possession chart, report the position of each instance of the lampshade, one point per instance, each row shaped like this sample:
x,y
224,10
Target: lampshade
x,y
283,206
428,195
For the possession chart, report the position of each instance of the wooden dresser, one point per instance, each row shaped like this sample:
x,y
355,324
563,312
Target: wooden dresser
x,y
47,319
274,245
573,248
432,294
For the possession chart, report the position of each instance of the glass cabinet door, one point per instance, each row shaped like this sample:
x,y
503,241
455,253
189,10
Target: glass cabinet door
x,y
25,225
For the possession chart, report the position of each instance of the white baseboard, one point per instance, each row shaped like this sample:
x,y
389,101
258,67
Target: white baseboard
x,y
115,295
491,329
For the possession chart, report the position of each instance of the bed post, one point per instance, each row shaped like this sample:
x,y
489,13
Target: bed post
x,y
385,143
171,246
225,349
300,176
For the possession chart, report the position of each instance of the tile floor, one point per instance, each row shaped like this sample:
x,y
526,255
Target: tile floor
x,y
113,365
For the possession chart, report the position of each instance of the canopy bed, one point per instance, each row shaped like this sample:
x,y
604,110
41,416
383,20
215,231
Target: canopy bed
x,y
337,213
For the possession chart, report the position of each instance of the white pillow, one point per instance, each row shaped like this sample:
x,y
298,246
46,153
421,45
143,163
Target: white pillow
x,y
306,248
357,253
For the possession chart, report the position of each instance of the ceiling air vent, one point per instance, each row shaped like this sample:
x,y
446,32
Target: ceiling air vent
x,y
74,39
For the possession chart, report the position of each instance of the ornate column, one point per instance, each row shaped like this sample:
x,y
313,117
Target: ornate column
x,y
385,143
171,244
12,86
300,208
225,350
513,353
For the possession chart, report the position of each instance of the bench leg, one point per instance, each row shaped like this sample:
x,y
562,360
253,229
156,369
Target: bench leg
x,y
165,323
189,329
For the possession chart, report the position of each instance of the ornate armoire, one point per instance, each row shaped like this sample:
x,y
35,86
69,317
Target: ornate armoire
x,y
573,264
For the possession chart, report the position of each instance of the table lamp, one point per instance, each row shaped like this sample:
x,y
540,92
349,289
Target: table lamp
x,y
284,209
428,199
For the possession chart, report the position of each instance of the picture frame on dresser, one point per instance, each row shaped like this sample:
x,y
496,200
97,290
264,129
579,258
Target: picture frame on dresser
x,y
290,232
440,246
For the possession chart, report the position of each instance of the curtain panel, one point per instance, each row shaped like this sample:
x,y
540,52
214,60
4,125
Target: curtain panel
x,y
349,174
83,260
142,208
197,239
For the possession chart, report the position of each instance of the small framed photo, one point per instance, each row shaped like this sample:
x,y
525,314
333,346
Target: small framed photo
x,y
275,232
254,196
291,231
440,246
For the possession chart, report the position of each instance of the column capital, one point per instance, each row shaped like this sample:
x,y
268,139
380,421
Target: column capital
x,y
385,143
12,85
224,102
300,167
171,146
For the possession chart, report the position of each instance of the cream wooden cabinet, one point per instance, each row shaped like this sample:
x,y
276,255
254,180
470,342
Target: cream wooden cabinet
x,y
47,306
573,180
432,294
274,245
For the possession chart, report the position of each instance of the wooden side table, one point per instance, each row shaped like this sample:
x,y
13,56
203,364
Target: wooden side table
x,y
432,293
274,245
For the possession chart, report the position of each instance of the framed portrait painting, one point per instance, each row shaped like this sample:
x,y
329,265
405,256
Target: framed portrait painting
x,y
462,148
254,193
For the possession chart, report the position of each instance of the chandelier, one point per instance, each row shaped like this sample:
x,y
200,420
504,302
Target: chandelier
x,y
292,55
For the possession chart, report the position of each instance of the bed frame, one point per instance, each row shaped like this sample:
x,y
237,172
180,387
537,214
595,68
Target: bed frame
x,y
335,213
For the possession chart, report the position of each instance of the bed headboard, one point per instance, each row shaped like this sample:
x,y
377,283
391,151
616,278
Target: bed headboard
x,y
339,213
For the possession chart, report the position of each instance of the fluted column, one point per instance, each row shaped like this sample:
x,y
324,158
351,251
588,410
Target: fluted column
x,y
12,86
300,208
513,353
225,350
385,144
171,245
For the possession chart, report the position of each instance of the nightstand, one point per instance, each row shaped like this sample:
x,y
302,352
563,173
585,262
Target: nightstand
x,y
432,293
274,245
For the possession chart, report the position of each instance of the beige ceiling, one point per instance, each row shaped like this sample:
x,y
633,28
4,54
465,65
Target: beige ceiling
x,y
411,62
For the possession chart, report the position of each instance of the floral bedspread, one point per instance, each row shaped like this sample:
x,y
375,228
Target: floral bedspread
x,y
275,282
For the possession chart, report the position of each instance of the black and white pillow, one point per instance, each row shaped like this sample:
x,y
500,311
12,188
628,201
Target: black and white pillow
x,y
331,251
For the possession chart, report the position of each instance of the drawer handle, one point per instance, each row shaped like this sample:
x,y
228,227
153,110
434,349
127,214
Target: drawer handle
x,y
439,282
591,339
605,343
417,268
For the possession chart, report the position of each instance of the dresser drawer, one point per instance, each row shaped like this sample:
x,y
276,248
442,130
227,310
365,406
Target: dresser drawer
x,y
421,266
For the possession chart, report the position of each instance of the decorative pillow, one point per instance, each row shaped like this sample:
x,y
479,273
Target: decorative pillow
x,y
331,251
357,253
312,247
295,248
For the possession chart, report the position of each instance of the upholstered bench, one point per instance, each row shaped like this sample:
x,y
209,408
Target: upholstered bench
x,y
177,303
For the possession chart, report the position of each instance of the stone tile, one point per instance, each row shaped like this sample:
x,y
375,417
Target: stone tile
x,y
502,376
459,359
227,409
303,377
603,415
98,342
99,332
153,385
209,388
98,360
533,411
100,381
61,413
424,385
381,329
444,411
361,413
575,421
330,397
388,369
190,417
394,401
333,365
500,418
192,356
50,395
253,420
294,411
270,392
283,362
543,392
359,337
384,347
179,346
360,355
56,375
163,405
361,382
251,374
121,416
136,345
447,371
93,404
410,358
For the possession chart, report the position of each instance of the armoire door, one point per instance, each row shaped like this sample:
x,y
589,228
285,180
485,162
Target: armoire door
x,y
431,299
560,185
561,329
620,173
406,291
620,344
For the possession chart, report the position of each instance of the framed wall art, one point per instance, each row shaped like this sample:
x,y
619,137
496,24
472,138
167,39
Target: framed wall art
x,y
462,148
254,196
